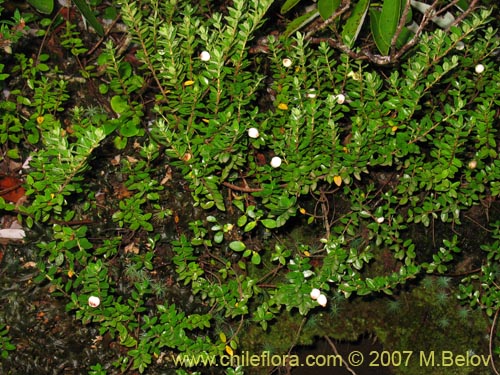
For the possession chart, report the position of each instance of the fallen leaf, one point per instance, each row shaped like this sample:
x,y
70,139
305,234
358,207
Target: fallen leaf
x,y
11,189
116,160
12,234
167,177
121,191
132,248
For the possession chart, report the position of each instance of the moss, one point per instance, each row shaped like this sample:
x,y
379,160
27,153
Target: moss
x,y
425,319
430,321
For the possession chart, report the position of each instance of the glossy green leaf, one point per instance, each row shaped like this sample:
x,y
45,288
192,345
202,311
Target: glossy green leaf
x,y
327,7
42,6
255,258
269,223
84,8
375,29
384,24
463,5
249,226
289,4
129,129
389,18
299,22
237,246
353,25
242,220
119,104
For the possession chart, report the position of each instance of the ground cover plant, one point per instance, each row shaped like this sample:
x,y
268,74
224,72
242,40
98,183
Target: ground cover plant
x,y
192,184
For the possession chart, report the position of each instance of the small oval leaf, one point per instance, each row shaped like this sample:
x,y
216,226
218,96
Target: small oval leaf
x,y
255,258
237,246
269,223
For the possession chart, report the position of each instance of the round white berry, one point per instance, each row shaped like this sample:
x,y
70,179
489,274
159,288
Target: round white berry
x,y
205,56
340,98
315,293
311,94
479,68
322,300
253,133
94,301
460,46
472,164
275,162
287,62
380,219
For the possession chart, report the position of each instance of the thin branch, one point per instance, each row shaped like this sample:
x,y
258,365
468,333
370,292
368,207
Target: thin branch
x,y
401,25
242,189
342,9
394,55
429,13
334,348
471,7
492,331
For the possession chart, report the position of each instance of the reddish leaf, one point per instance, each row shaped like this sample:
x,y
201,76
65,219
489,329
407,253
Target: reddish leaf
x,y
11,189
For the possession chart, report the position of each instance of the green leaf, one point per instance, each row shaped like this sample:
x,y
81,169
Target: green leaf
x,y
84,8
42,6
371,284
327,7
13,153
299,22
384,24
129,129
289,4
463,5
255,258
242,220
250,226
237,246
353,25
119,104
269,223
389,18
218,237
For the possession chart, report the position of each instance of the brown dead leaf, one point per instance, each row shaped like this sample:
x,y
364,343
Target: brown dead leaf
x,y
116,160
11,189
132,248
121,191
167,177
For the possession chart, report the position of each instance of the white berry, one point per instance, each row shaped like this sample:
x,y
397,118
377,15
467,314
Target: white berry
x,y
315,293
311,94
275,162
205,56
253,133
479,68
287,62
94,301
322,300
340,98
472,164
380,219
